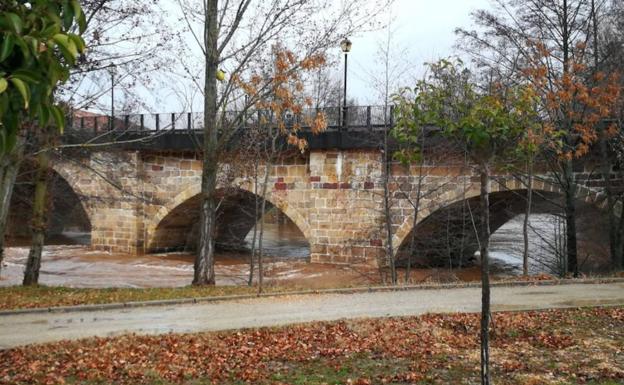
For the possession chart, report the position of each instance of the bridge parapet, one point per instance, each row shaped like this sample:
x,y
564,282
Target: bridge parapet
x,y
338,118
353,127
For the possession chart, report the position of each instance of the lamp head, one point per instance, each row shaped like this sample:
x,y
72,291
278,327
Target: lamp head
x,y
112,69
345,45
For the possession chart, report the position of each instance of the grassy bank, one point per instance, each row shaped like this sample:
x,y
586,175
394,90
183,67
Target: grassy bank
x,y
19,297
581,346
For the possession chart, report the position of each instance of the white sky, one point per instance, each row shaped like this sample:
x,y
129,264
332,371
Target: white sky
x,y
424,28
423,32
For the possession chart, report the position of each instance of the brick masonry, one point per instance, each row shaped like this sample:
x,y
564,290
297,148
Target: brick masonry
x,y
137,200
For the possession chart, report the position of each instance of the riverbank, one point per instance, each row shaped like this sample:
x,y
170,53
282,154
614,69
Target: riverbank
x,y
18,298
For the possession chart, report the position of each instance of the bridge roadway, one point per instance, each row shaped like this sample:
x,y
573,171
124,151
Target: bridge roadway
x,y
22,329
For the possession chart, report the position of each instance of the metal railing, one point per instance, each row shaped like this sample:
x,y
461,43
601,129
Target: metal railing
x,y
357,118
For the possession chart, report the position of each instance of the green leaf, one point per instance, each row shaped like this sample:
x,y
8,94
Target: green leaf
x,y
68,16
24,47
2,142
23,90
59,118
7,46
51,30
44,115
67,47
13,22
34,44
79,15
27,76
3,85
80,44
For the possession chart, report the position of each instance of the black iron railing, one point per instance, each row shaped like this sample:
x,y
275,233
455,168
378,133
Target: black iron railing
x,y
357,118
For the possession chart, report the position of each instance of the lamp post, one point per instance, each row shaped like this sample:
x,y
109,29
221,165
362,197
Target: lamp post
x,y
345,45
112,70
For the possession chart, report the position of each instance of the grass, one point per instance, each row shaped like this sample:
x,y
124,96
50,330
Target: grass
x,y
20,297
556,347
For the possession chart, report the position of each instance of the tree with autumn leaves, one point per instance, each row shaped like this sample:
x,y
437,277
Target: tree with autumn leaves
x,y
556,47
489,121
282,114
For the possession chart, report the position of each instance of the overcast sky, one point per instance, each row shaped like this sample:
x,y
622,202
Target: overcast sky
x,y
424,28
423,31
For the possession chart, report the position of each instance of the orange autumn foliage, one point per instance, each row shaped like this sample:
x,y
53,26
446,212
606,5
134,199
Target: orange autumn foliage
x,y
575,102
286,95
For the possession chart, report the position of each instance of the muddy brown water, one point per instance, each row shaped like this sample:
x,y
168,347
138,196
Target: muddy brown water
x,y
68,261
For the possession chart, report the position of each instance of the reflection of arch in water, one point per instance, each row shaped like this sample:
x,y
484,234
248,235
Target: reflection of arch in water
x,y
67,212
446,234
174,226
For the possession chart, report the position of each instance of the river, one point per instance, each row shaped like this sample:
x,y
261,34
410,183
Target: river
x,y
68,261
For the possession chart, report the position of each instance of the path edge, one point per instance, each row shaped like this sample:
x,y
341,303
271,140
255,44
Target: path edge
x,y
354,290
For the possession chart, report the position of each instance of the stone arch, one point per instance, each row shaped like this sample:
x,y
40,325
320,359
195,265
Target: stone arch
x,y
193,191
72,176
68,209
457,195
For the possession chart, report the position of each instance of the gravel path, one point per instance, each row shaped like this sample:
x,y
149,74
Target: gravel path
x,y
24,329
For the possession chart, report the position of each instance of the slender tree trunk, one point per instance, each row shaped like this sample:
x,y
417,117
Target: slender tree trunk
x,y
570,213
414,224
204,261
9,166
569,183
527,214
388,223
387,215
39,220
485,273
255,227
615,235
265,183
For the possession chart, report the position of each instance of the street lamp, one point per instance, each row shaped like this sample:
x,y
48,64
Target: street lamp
x,y
112,70
345,45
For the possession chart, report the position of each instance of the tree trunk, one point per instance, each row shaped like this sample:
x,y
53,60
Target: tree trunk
x,y
485,273
8,172
388,223
570,213
527,214
387,216
414,224
615,236
255,227
265,185
39,220
204,261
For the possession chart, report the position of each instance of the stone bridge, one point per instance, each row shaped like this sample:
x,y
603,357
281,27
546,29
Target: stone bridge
x,y
145,198
147,201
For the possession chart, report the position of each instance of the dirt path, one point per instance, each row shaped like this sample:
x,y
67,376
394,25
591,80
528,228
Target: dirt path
x,y
24,329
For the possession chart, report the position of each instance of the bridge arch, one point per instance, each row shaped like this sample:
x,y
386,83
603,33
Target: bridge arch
x,y
68,212
189,198
71,176
472,191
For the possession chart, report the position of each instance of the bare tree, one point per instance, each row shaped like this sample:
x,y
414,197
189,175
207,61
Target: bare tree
x,y
236,36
